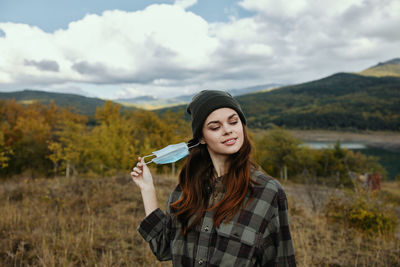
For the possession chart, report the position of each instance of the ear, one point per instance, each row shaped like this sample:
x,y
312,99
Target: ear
x,y
201,141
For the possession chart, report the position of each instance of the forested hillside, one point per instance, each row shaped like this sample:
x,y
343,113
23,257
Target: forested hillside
x,y
340,101
77,103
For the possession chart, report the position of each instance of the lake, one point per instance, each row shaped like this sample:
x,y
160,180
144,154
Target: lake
x,y
390,159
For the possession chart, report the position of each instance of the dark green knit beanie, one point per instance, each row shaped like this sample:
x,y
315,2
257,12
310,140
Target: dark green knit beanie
x,y
206,102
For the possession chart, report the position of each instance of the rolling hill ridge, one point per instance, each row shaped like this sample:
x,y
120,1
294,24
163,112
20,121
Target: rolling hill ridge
x,y
77,103
388,68
340,101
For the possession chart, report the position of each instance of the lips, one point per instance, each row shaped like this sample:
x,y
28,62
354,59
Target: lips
x,y
230,141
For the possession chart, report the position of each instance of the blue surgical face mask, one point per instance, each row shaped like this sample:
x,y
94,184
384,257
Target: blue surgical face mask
x,y
171,153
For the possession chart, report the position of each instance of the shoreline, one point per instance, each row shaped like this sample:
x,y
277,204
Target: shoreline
x,y
379,139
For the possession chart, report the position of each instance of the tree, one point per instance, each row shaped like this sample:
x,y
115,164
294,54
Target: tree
x,y
110,144
30,134
5,151
278,150
67,150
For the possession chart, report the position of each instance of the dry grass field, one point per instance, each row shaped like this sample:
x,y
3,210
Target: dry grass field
x,y
92,222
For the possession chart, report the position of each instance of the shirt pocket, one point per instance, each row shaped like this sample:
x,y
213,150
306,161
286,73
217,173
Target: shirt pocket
x,y
236,244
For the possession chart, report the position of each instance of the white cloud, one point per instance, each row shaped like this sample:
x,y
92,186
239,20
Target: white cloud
x,y
332,34
167,50
118,46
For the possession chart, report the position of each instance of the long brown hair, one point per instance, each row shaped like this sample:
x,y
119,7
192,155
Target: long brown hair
x,y
195,180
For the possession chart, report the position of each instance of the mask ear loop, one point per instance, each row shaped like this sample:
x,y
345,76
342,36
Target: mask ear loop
x,y
194,145
147,157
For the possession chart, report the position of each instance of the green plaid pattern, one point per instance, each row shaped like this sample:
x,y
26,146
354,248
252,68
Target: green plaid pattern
x,y
258,235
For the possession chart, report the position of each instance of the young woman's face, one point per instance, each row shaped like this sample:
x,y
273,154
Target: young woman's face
x,y
223,132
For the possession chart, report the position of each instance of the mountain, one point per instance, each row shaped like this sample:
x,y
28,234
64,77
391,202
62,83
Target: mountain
x,y
340,101
136,100
388,68
81,104
252,89
152,103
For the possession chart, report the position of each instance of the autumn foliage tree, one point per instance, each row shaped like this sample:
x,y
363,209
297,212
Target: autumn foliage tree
x,y
109,144
115,142
278,151
5,151
67,148
27,131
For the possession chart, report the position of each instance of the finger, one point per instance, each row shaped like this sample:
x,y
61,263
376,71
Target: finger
x,y
137,172
139,166
134,174
136,169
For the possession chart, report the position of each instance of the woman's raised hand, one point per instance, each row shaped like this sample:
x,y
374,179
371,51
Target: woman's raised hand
x,y
141,175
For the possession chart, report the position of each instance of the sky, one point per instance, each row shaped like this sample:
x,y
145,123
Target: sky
x,y
124,48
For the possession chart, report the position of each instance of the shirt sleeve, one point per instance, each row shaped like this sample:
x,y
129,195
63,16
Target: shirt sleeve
x,y
156,230
277,248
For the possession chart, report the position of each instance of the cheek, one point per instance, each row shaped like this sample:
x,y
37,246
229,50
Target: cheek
x,y
210,136
239,129
215,138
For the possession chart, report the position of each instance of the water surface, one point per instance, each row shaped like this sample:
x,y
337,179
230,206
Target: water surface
x,y
389,159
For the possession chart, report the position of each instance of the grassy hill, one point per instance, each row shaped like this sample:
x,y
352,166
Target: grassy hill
x,y
388,68
81,104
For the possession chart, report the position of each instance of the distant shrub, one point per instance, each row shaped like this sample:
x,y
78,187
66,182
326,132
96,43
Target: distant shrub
x,y
367,218
362,211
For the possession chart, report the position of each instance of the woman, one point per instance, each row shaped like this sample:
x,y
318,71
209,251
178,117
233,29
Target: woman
x,y
224,212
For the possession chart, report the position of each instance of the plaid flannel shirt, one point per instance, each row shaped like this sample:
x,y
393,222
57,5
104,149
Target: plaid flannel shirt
x,y
258,235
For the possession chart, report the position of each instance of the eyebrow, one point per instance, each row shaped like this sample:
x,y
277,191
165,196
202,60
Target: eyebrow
x,y
230,117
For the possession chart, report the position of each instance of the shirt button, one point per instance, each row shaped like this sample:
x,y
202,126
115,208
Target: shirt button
x,y
200,262
206,229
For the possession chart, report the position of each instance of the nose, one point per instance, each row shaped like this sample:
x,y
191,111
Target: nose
x,y
227,128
